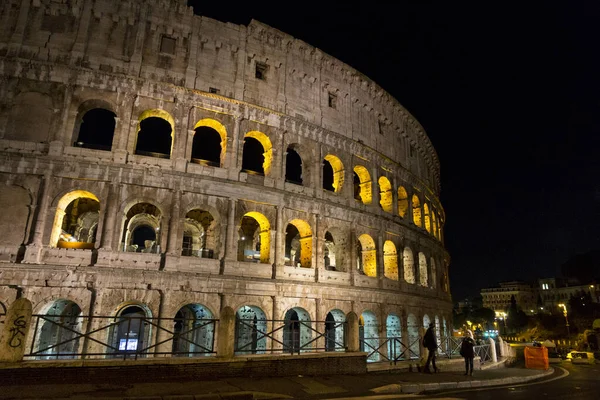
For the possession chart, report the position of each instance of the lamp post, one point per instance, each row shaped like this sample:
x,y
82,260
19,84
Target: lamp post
x,y
564,307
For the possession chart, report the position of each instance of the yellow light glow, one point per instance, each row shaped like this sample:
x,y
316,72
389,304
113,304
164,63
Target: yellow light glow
x,y
366,195
402,202
158,114
265,234
217,126
338,172
267,147
390,260
385,194
62,205
369,256
416,205
427,218
305,242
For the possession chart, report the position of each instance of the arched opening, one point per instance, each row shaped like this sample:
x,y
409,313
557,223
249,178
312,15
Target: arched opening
x,y
198,234
362,185
416,206
254,238
402,202
385,194
296,331
329,259
437,330
155,135
368,330
409,265
423,278
130,334
298,244
293,167
426,217
367,255
59,333
141,229
412,326
96,130
426,321
390,260
193,331
76,221
334,250
209,144
250,330
433,279
433,224
333,173
257,154
335,330
393,327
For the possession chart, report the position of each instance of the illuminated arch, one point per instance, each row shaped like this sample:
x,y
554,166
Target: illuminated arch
x,y
423,279
59,331
57,235
249,243
402,202
390,260
267,149
129,332
368,255
362,185
393,329
199,234
433,273
385,194
220,129
416,206
427,217
434,230
301,243
251,328
426,321
409,265
141,228
439,227
193,331
297,333
369,335
335,329
156,113
338,172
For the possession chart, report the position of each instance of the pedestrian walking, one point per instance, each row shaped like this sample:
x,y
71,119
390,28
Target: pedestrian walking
x,y
467,352
430,343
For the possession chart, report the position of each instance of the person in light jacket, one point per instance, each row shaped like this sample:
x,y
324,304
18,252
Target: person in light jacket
x,y
468,353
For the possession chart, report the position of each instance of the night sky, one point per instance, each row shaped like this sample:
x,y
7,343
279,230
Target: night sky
x,y
509,95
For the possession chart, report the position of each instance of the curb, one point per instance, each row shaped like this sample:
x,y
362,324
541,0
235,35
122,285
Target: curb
x,y
434,387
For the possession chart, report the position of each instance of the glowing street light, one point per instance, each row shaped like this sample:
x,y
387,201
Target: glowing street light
x,y
564,307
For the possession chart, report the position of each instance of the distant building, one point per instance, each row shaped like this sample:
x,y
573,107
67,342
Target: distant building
x,y
554,291
498,298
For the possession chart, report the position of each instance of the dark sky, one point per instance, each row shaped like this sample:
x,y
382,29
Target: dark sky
x,y
509,95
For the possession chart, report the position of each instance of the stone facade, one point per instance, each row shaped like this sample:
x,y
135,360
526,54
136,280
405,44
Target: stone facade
x,y
157,159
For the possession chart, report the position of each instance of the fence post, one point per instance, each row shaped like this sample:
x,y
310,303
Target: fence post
x,y
226,333
16,328
353,335
493,350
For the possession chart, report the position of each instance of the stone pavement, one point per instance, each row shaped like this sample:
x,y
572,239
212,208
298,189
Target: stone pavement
x,y
375,384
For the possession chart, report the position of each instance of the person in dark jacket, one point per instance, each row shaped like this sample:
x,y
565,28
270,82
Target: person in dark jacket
x,y
430,343
468,353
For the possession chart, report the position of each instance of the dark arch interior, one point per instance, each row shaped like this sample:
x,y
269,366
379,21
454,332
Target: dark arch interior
x,y
291,233
141,234
328,176
206,148
293,167
330,332
357,187
154,138
253,157
96,130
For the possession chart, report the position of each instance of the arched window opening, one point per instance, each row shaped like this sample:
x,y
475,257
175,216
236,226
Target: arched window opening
x,y
416,205
96,130
426,217
257,154
335,250
367,255
402,202
433,279
296,331
58,335
426,321
390,260
423,279
76,221
409,266
141,232
293,167
434,230
368,330
206,147
362,185
412,326
193,331
198,234
335,331
254,237
329,260
131,332
298,244
393,328
333,173
154,137
437,330
385,193
250,330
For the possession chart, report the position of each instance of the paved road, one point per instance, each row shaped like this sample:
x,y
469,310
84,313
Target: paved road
x,y
572,382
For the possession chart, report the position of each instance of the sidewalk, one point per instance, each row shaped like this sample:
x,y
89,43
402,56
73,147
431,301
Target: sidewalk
x,y
379,382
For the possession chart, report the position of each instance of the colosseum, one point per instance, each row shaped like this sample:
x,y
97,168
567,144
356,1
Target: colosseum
x,y
162,169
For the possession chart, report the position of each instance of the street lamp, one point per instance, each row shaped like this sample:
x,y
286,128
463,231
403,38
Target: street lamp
x,y
564,307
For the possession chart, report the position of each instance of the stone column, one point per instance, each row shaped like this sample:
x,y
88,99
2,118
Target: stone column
x,y
380,259
318,241
234,155
173,245
226,333
279,239
353,255
230,245
375,189
319,325
33,250
353,332
318,172
15,331
17,37
109,216
78,50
